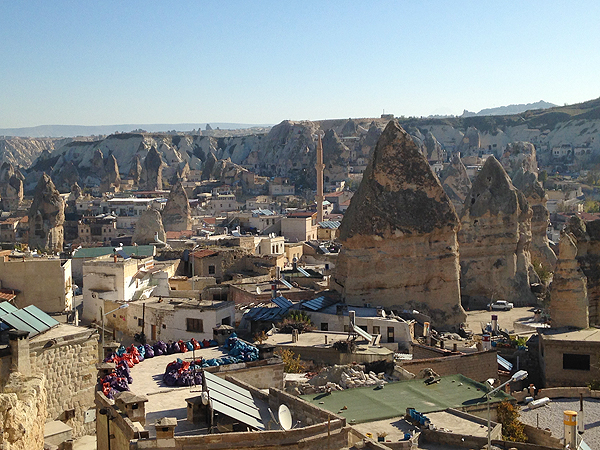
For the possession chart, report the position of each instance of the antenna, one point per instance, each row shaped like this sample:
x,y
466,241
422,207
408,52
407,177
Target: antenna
x,y
285,417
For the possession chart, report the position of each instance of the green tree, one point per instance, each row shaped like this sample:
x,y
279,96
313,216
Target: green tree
x,y
512,428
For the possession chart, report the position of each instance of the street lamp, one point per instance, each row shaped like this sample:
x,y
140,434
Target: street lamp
x,y
102,315
517,376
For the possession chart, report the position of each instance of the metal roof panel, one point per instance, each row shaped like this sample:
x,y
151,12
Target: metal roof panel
x,y
6,308
318,303
282,302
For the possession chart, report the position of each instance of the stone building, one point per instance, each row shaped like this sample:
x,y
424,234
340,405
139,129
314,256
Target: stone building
x,y
400,248
44,282
495,238
46,217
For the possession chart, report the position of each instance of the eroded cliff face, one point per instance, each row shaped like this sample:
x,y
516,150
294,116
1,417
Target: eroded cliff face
x,y
495,240
456,182
152,168
177,215
23,412
11,187
399,236
46,217
527,182
568,291
519,155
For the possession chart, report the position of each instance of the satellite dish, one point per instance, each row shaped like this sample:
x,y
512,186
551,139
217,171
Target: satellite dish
x,y
258,290
285,417
205,398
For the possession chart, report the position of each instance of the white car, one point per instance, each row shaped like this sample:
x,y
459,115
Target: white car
x,y
501,305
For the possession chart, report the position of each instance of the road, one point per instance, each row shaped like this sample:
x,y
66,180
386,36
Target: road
x,y
505,318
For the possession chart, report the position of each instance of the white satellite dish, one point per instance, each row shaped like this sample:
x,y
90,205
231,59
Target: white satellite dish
x,y
258,290
285,417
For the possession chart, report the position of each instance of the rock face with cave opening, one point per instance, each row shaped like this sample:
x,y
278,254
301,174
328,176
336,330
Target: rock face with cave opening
x,y
495,239
400,236
46,217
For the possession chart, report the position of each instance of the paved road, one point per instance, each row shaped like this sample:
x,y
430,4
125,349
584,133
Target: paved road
x,y
505,318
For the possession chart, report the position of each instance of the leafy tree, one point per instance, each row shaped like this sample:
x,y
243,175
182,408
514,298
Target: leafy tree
x,y
543,176
291,361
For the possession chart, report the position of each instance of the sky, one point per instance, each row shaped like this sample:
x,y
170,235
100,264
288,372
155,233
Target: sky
x,y
261,62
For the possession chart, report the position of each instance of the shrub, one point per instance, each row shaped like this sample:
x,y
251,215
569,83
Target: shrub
x,y
291,361
296,320
512,428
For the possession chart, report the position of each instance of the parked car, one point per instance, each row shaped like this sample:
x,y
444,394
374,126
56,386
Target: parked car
x,y
501,305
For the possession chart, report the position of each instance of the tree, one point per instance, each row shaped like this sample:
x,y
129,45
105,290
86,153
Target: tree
x,y
543,176
512,428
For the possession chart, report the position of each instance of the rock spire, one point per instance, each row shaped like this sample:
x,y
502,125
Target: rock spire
x,y
399,236
151,177
177,213
46,217
495,239
456,181
149,226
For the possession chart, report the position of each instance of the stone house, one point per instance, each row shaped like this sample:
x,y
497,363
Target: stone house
x,y
300,226
224,263
569,357
101,228
44,282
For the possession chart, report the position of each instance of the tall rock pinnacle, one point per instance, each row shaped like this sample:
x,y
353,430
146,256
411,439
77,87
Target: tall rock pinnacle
x,y
177,213
495,239
151,178
399,236
46,217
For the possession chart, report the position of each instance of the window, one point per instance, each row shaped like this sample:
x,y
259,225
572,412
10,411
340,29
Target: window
x,y
211,269
324,326
576,362
164,326
140,322
376,330
195,325
390,334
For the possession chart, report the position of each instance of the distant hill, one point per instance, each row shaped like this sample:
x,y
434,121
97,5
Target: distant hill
x,y
84,130
510,109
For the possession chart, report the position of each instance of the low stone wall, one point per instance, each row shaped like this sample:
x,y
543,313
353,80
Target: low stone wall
x,y
68,364
567,392
541,437
466,441
478,366
425,352
23,412
261,374
331,356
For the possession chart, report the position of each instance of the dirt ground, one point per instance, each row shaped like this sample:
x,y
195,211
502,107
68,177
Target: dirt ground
x,y
505,318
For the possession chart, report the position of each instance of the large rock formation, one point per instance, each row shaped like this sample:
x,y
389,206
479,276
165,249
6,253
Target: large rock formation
x,y
587,235
494,239
135,172
528,184
149,226
177,213
456,182
111,180
519,155
434,150
399,236
46,217
151,178
568,291
209,166
11,187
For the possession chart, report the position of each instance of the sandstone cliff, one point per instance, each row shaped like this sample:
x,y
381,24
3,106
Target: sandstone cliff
x,y
568,291
495,239
399,236
519,155
46,217
528,184
177,215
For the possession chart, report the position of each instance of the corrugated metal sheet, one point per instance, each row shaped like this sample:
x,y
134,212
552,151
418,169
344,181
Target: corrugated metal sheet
x,y
504,363
282,302
6,308
30,318
318,303
234,401
266,314
333,224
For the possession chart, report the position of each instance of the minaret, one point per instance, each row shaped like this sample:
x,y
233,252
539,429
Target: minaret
x,y
320,167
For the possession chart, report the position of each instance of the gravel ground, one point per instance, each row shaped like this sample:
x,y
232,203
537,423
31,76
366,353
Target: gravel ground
x,y
551,417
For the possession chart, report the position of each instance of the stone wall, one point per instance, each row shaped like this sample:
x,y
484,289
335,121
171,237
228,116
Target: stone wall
x,y
554,374
68,364
466,441
23,412
478,366
262,374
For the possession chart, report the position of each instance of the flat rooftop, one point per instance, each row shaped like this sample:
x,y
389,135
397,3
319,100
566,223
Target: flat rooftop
x,y
558,334
368,404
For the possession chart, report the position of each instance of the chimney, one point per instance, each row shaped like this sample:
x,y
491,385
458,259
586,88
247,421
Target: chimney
x,y
274,289
165,429
115,257
19,349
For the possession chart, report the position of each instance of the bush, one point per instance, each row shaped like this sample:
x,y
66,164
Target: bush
x,y
541,272
291,361
512,428
296,320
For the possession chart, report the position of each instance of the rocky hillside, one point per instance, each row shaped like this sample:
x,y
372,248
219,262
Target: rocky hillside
x,y
289,148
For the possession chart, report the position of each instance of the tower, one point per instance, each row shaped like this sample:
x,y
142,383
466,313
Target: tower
x,y
320,167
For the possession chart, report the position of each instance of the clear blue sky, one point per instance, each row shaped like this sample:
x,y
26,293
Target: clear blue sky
x,y
104,62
